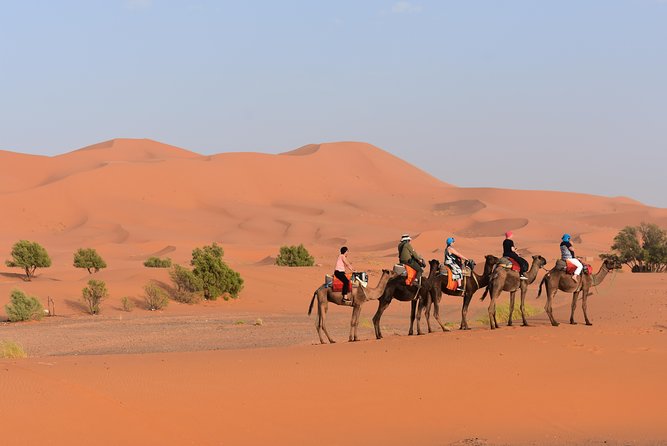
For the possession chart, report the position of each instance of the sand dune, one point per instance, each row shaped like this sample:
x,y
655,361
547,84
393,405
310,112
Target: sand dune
x,y
131,199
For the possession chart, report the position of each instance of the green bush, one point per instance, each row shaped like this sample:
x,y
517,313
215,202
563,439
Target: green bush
x,y
294,256
29,256
156,262
11,350
155,297
185,280
217,278
643,248
94,294
126,304
89,259
23,308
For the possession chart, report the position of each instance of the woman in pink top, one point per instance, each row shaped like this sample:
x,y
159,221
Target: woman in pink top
x,y
341,265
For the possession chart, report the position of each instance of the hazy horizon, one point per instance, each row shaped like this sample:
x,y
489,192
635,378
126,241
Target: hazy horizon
x,y
566,95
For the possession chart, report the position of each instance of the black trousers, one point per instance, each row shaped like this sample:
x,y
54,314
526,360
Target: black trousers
x,y
523,263
346,282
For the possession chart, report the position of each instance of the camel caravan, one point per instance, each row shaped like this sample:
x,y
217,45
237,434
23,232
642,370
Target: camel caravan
x,y
456,276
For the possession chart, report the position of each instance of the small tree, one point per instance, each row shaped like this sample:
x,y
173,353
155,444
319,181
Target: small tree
x,y
156,262
294,256
94,294
89,258
29,256
216,277
23,308
155,297
643,248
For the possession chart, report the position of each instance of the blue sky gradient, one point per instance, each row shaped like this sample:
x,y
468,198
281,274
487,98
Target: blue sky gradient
x,y
563,94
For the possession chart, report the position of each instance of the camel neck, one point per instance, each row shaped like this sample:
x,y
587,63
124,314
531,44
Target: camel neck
x,y
532,272
600,275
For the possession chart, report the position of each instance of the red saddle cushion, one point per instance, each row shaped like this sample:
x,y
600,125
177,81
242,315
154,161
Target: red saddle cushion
x,y
337,285
515,265
571,268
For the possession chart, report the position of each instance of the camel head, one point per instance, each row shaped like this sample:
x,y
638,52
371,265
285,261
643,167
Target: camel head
x,y
541,261
433,264
612,263
389,272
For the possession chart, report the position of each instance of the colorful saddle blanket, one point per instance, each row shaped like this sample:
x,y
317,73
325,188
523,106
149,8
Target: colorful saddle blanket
x,y
570,268
509,263
407,271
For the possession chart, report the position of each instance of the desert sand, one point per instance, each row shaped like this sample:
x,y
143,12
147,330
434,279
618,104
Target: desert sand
x,y
251,370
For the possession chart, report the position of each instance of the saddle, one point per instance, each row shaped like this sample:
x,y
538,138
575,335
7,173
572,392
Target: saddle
x,y
509,263
356,279
408,272
570,268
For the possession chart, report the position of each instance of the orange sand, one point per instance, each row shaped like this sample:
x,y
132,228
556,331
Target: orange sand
x,y
130,199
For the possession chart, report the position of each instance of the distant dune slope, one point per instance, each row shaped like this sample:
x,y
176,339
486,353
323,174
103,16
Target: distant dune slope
x,y
136,191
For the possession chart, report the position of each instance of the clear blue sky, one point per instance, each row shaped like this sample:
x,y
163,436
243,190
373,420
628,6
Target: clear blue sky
x,y
563,94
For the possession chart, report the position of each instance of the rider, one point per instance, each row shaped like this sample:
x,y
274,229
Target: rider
x,y
509,251
408,256
341,265
567,254
453,258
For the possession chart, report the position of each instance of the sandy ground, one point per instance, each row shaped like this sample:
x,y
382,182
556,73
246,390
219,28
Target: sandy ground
x,y
213,374
603,384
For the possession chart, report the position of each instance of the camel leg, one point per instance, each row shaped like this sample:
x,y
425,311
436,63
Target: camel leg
x,y
427,311
584,306
467,297
492,312
420,308
354,323
547,307
436,310
524,291
382,305
509,318
319,321
324,326
413,306
575,296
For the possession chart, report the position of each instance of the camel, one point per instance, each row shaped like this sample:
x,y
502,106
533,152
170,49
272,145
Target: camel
x,y
471,285
397,289
556,280
358,295
504,279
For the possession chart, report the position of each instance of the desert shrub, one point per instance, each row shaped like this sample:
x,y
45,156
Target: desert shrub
x,y
156,262
11,350
156,298
217,278
29,256
294,256
94,294
22,307
89,259
643,248
126,304
503,312
186,297
258,322
185,280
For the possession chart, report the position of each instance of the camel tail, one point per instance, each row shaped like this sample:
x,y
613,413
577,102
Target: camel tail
x,y
486,291
312,301
539,293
